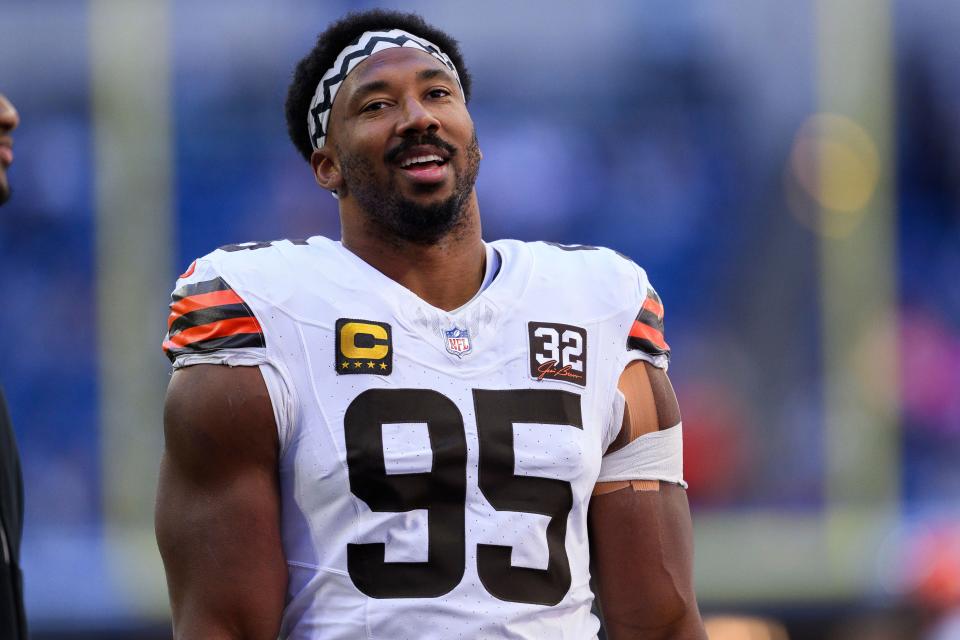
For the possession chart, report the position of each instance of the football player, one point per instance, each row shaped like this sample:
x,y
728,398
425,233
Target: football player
x,y
413,433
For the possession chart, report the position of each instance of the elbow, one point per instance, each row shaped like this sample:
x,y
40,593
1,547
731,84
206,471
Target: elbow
x,y
668,616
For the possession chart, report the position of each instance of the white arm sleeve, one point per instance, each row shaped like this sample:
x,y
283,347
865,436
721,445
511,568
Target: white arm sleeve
x,y
653,456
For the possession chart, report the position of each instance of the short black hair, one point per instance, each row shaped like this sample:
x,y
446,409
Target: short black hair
x,y
335,39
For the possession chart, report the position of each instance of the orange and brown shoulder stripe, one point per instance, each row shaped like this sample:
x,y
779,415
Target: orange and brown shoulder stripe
x,y
209,316
646,333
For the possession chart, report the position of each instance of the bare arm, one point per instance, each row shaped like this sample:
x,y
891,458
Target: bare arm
x,y
218,506
640,531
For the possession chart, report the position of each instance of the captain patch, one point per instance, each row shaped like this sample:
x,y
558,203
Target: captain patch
x,y
363,346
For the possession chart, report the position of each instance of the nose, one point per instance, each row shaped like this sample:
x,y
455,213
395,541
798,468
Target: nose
x,y
416,118
9,118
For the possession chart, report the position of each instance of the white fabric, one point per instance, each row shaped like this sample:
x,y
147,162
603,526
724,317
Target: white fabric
x,y
660,361
491,269
297,293
280,391
352,56
615,421
653,456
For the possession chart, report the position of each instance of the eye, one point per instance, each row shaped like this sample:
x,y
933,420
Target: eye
x,y
376,105
439,92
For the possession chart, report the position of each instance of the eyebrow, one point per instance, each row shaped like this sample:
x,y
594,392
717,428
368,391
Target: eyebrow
x,y
381,85
430,74
367,88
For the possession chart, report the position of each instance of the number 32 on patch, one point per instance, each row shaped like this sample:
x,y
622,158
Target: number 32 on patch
x,y
558,352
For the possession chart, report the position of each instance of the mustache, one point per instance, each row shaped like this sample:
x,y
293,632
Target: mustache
x,y
431,139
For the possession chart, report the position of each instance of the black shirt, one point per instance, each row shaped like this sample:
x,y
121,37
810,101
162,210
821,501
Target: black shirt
x,y
12,619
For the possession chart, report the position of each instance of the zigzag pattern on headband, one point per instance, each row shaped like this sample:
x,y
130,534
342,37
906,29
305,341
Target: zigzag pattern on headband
x,y
365,46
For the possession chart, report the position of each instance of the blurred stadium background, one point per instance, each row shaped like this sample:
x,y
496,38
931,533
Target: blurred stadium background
x,y
787,172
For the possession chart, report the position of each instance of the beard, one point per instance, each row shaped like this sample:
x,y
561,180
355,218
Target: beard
x,y
396,218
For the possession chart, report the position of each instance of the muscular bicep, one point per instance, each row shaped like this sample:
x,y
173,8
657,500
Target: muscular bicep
x,y
640,531
217,511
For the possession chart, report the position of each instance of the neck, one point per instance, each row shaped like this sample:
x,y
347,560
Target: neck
x,y
446,274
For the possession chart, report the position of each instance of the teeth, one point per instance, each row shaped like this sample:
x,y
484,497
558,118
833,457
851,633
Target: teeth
x,y
419,159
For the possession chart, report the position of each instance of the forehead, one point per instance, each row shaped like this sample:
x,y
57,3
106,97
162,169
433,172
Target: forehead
x,y
393,65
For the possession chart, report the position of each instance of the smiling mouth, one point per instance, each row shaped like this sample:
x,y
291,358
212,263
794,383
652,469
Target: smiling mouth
x,y
427,172
427,151
425,164
423,161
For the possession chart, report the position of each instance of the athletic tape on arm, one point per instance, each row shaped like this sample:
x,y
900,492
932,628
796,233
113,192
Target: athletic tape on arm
x,y
653,456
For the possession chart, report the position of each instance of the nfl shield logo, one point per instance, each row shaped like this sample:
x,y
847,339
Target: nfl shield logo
x,y
458,341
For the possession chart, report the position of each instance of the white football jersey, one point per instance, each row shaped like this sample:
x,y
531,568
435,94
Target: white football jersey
x,y
435,467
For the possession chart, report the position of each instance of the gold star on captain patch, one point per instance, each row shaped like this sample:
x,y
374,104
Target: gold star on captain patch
x,y
361,345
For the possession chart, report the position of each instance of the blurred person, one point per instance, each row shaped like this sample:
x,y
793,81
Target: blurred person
x,y
12,619
413,433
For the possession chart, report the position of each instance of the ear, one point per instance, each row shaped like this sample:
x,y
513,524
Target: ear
x,y
326,169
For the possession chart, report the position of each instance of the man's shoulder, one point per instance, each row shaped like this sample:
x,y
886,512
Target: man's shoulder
x,y
227,300
262,254
592,265
262,275
251,265
583,276
547,253
11,484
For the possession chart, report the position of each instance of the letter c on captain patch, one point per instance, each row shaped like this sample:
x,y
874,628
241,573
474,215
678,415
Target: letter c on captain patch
x,y
363,346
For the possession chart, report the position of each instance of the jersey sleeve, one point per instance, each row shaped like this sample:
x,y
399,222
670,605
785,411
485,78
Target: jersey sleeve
x,y
651,456
209,322
645,340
